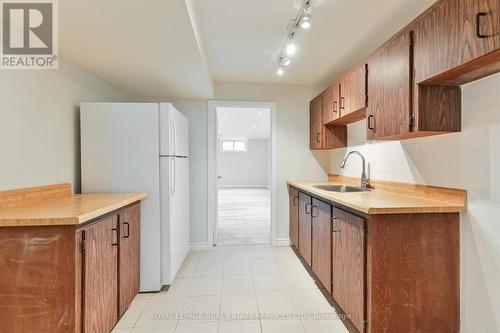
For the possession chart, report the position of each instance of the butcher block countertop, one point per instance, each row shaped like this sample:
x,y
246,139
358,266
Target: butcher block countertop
x,y
56,205
389,197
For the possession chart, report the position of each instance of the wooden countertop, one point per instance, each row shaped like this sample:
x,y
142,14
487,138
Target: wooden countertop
x,y
55,205
390,197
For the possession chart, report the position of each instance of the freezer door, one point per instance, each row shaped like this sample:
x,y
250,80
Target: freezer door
x,y
174,131
174,215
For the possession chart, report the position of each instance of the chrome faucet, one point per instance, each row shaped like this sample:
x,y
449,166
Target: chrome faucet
x,y
365,181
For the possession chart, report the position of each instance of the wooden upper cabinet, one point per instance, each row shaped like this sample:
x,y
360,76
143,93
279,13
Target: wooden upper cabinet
x,y
353,95
100,276
321,213
331,108
348,265
324,136
389,86
305,238
129,256
316,123
453,33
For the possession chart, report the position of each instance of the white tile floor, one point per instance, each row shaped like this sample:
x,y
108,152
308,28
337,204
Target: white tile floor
x,y
244,216
235,290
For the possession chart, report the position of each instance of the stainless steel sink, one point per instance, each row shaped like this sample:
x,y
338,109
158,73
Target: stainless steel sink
x,y
340,188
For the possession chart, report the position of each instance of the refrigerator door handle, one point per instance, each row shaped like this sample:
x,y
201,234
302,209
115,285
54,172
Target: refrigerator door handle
x,y
172,175
173,137
175,175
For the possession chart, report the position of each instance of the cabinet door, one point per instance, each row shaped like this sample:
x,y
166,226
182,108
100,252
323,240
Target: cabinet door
x,y
294,216
331,103
322,242
316,123
353,91
100,275
305,227
348,265
448,36
388,112
129,256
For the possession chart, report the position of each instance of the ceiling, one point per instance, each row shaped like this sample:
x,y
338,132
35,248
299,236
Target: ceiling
x,y
142,48
243,122
178,48
243,38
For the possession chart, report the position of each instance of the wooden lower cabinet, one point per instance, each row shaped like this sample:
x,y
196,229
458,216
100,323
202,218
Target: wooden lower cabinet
x,y
99,275
128,256
305,228
348,265
322,242
69,278
389,273
294,217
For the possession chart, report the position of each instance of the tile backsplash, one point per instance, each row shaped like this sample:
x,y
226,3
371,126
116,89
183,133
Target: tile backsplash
x,y
469,160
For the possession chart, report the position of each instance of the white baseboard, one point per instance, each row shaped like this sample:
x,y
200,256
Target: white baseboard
x,y
200,246
282,242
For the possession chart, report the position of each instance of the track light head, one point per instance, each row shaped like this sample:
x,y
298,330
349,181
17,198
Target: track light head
x,y
291,47
305,21
285,60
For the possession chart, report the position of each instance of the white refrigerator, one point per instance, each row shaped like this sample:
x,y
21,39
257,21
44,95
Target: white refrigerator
x,y
143,147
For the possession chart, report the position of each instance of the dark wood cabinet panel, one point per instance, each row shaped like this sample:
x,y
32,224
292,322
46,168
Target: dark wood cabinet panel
x,y
37,276
316,123
335,136
321,213
129,256
100,276
353,95
413,271
305,228
331,107
389,99
446,37
348,265
294,216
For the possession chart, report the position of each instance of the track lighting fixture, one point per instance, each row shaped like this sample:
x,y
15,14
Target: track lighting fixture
x,y
301,21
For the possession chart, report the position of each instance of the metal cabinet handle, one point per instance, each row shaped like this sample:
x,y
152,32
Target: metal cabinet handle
x,y
127,225
295,200
342,103
335,107
478,25
317,137
333,220
312,211
370,126
307,211
114,236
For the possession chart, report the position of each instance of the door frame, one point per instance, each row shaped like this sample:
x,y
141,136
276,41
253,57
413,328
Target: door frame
x,y
212,163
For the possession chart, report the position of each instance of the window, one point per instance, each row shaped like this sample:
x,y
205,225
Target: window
x,y
233,146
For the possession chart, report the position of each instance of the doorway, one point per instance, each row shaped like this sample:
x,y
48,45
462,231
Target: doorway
x,y
242,168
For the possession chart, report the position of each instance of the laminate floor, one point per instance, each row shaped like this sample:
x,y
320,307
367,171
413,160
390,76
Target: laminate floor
x,y
244,216
235,289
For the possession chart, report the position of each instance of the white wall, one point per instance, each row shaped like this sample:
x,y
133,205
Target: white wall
x,y
39,124
468,160
294,159
245,169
